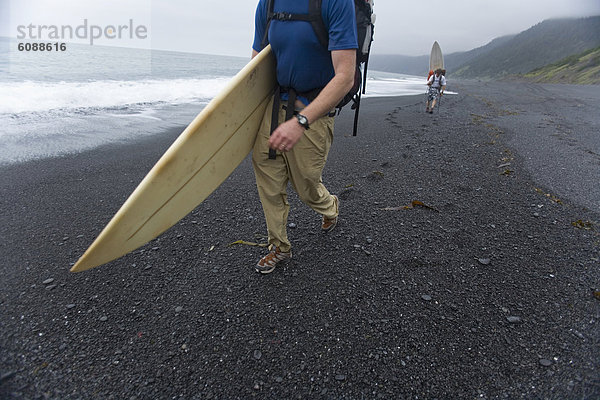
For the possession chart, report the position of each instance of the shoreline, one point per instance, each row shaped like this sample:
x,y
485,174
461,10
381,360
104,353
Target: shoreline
x,y
488,293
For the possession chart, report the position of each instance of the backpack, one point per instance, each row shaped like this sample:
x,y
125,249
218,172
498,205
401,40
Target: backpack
x,y
437,79
364,29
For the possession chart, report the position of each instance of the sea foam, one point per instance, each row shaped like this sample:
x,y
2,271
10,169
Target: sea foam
x,y
32,96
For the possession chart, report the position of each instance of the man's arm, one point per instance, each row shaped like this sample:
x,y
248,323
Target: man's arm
x,y
344,65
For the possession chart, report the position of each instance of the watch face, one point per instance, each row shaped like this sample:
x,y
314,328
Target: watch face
x,y
303,120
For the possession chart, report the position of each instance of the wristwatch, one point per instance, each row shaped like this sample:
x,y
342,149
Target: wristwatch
x,y
302,120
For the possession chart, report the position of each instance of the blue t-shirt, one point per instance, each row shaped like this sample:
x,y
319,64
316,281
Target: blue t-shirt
x,y
302,62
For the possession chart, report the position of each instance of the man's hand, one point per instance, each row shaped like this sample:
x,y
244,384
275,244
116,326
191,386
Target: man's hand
x,y
286,135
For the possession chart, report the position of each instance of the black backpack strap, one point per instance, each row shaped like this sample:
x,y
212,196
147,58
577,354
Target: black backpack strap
x,y
313,17
269,19
356,107
289,112
291,106
364,79
314,10
274,118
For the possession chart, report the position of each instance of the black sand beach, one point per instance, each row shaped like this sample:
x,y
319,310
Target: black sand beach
x,y
489,292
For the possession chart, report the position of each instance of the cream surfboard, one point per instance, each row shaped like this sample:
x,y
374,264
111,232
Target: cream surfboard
x,y
201,158
436,59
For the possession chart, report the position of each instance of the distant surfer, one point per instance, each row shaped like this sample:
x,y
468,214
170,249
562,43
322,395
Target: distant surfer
x,y
319,77
437,85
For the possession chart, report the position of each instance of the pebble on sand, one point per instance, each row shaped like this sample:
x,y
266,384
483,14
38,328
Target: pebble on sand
x,y
7,376
48,281
426,297
513,319
545,362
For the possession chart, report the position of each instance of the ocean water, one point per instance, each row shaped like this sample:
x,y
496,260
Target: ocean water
x,y
58,102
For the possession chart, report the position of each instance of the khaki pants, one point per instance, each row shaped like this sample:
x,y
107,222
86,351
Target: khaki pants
x,y
302,167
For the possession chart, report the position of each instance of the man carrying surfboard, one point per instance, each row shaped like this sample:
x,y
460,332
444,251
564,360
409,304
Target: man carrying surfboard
x,y
313,78
437,85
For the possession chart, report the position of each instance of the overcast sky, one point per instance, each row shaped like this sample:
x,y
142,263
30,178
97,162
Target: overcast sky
x,y
226,26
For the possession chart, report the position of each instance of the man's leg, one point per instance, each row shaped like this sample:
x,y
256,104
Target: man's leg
x,y
271,182
430,99
306,162
434,97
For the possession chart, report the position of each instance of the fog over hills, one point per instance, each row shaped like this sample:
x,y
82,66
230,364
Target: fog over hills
x,y
543,44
